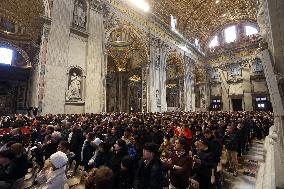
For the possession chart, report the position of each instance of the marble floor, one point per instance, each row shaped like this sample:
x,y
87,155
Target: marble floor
x,y
247,172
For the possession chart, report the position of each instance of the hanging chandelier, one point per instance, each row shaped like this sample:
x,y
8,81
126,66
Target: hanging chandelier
x,y
120,39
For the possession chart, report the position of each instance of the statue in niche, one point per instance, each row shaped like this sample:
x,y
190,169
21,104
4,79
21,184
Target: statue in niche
x,y
79,16
158,97
74,88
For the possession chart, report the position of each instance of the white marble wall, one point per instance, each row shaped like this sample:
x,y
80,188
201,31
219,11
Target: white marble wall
x,y
57,57
95,68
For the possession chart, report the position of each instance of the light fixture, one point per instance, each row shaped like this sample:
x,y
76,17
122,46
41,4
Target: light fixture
x,y
120,39
217,1
225,14
171,86
141,4
135,78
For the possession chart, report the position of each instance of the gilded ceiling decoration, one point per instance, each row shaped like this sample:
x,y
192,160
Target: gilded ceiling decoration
x,y
121,46
199,75
21,18
175,68
201,18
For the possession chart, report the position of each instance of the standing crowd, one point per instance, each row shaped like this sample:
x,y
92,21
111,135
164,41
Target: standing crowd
x,y
128,150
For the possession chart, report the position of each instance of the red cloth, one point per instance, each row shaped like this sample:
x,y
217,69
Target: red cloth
x,y
186,132
5,131
25,130
177,131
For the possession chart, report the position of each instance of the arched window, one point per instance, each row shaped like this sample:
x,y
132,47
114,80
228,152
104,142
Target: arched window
x,y
230,34
214,42
250,30
6,56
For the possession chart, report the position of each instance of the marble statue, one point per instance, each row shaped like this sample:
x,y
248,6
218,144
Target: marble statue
x,y
74,87
80,14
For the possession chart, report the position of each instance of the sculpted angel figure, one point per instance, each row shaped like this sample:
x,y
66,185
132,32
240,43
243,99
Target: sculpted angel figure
x,y
74,87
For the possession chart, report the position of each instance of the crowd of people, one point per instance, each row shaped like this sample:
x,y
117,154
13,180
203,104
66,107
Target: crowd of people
x,y
128,150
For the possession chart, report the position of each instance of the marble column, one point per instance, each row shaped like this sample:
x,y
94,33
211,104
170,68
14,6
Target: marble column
x,y
57,57
163,82
188,82
270,19
96,65
152,80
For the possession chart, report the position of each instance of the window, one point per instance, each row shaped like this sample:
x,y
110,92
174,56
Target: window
x,y
261,102
196,42
216,104
260,105
6,56
250,30
230,34
173,22
214,42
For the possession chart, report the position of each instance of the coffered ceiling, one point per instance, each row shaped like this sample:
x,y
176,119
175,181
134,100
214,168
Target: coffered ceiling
x,y
24,15
201,18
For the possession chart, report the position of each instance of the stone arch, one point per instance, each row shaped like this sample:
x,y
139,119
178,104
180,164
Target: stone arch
x,y
78,68
133,32
175,78
173,55
127,64
23,53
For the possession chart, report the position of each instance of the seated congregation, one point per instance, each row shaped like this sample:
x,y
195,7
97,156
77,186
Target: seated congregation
x,y
126,150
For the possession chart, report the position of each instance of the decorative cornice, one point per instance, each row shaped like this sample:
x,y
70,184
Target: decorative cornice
x,y
148,24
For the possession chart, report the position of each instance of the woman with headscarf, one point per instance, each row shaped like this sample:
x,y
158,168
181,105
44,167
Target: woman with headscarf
x,y
52,176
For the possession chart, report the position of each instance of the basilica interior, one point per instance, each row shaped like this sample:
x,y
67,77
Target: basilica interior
x,y
94,56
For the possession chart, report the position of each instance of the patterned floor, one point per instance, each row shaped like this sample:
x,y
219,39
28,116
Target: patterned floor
x,y
247,172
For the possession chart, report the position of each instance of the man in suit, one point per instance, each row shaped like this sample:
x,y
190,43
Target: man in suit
x,y
87,151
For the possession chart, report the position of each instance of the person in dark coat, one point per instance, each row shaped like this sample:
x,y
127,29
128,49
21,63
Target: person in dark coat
x,y
104,156
231,144
213,145
87,151
150,172
203,163
51,146
20,164
76,144
120,150
180,164
6,177
125,176
196,137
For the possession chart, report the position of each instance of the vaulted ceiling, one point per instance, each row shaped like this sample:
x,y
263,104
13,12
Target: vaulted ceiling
x,y
201,18
23,15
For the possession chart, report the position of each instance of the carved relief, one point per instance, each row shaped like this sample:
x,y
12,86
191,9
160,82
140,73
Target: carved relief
x,y
215,75
80,14
256,66
234,70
